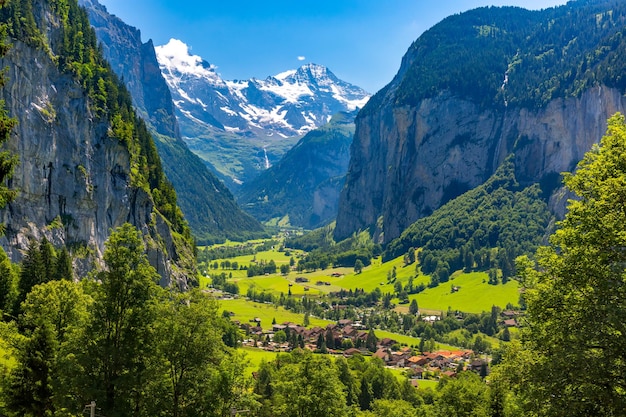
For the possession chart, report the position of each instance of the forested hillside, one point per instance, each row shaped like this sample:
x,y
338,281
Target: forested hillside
x,y
485,228
76,119
304,185
472,90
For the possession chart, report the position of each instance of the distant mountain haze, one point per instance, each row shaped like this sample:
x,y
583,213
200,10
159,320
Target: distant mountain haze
x,y
303,187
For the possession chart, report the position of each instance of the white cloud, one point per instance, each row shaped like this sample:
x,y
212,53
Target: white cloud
x,y
175,54
301,58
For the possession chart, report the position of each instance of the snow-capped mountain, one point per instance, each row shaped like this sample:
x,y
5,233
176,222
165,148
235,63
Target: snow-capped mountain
x,y
288,104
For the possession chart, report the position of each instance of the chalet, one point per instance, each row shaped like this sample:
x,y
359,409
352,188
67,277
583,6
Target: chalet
x,y
510,323
418,372
351,352
420,360
344,322
382,354
477,364
349,332
302,279
509,314
362,335
387,342
431,319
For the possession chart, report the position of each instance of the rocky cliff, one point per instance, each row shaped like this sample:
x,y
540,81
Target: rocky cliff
x,y
207,204
431,135
76,180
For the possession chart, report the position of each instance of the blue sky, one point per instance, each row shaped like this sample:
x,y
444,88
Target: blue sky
x,y
361,41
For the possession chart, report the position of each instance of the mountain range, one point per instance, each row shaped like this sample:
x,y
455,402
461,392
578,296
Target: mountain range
x,y
207,204
242,127
303,188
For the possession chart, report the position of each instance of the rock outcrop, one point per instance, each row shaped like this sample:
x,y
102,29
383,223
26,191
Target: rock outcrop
x,y
74,179
410,156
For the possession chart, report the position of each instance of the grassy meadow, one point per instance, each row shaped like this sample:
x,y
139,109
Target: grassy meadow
x,y
247,310
474,294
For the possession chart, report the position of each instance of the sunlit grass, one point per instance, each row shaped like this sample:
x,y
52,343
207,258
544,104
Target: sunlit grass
x,y
246,310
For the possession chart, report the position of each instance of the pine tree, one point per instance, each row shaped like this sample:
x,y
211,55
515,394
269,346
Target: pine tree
x,y
30,392
63,267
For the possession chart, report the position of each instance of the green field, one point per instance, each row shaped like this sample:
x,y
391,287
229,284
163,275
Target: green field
x,y
375,276
409,340
256,356
247,310
474,294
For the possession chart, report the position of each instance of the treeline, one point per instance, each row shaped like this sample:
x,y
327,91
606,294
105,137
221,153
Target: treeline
x,y
485,229
115,338
304,384
325,252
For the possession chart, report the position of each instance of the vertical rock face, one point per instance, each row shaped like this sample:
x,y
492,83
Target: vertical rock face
x,y
470,91
409,161
207,204
74,178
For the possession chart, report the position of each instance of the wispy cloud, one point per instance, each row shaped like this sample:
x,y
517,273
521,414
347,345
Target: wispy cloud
x,y
301,58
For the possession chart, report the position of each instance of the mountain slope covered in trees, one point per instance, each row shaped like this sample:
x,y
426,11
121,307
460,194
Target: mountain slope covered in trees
x,y
475,88
485,228
305,184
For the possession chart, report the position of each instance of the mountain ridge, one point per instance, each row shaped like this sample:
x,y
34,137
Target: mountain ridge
x,y
466,97
238,126
305,184
207,204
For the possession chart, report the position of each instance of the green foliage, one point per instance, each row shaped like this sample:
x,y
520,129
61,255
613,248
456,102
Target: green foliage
x,y
576,298
117,341
304,384
77,53
463,396
124,342
9,276
484,228
30,384
500,57
325,251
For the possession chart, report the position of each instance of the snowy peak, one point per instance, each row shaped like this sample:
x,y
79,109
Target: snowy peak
x,y
176,60
288,104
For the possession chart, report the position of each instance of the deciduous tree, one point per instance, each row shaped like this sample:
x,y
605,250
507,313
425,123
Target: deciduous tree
x,y
577,301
